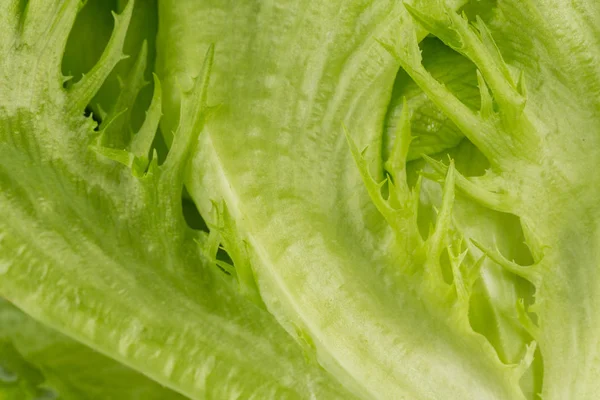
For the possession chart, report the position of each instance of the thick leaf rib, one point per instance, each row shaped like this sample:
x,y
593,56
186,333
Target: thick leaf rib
x,y
275,153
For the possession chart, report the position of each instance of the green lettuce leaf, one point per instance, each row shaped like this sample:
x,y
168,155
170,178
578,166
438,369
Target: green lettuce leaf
x,y
495,293
537,126
364,294
87,40
432,130
59,367
18,379
99,249
397,199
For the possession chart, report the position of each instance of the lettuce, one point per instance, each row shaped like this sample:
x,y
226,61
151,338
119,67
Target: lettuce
x,y
50,364
295,199
100,250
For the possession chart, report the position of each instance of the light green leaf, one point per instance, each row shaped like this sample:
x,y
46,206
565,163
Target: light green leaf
x,y
106,257
432,129
326,262
67,368
90,35
493,309
540,60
